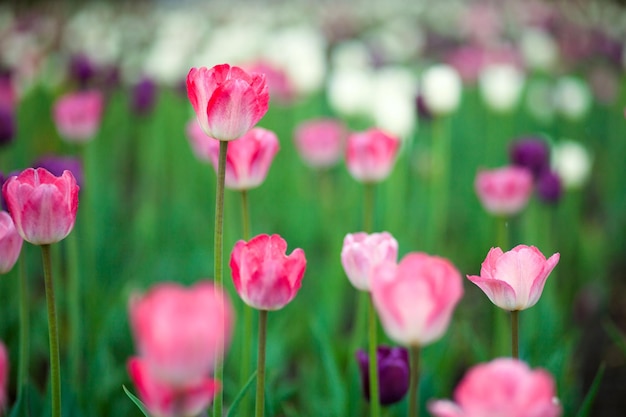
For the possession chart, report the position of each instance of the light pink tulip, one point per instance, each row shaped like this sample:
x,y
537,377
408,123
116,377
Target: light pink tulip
x,y
4,377
10,243
504,191
362,253
248,159
77,115
370,155
181,332
164,400
320,142
43,207
415,299
265,277
514,280
227,100
503,387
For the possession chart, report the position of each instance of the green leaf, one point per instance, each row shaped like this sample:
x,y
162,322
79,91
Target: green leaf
x,y
29,403
585,408
240,395
331,369
137,402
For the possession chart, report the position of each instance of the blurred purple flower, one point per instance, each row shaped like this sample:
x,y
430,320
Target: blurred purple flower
x,y
549,188
143,96
423,112
81,69
7,125
57,164
532,153
393,373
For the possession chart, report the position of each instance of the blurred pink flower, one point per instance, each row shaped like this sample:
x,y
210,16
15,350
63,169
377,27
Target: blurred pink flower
x,y
265,277
280,86
10,243
504,191
227,100
371,154
43,206
362,253
503,387
248,159
320,142
4,377
415,299
514,280
77,115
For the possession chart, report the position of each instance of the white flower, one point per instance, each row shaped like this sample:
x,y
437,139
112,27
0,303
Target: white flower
x,y
501,86
441,89
350,91
573,97
572,162
539,49
393,101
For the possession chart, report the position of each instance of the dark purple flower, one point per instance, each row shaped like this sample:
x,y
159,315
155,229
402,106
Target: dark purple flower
x,y
549,188
532,153
393,373
143,96
57,164
7,125
81,69
423,112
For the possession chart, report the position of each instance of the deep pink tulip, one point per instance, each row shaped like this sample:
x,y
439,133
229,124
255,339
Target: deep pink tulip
x,y
415,299
504,191
370,155
10,243
503,387
362,253
181,332
43,206
227,100
164,400
265,277
514,280
77,115
248,159
320,142
4,376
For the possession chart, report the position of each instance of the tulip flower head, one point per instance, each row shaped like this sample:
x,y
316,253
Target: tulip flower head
x,y
514,280
4,376
362,254
10,243
42,205
320,142
393,373
265,277
503,387
57,164
77,115
549,188
227,100
504,191
370,155
531,153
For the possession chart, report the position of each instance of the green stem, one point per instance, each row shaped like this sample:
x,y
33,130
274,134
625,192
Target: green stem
x,y
22,374
373,365
369,200
414,384
55,369
515,334
260,376
247,311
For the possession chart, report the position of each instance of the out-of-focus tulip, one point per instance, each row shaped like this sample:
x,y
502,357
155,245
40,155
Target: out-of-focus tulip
x,y
501,86
415,298
441,89
549,188
572,162
573,98
81,69
77,115
42,205
7,125
248,159
4,377
265,277
539,49
532,153
143,96
10,243
227,100
57,164
504,191
320,142
514,280
370,155
393,373
181,332
363,253
503,387
279,84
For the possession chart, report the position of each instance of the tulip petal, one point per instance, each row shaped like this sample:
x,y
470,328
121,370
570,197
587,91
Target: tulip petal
x,y
499,292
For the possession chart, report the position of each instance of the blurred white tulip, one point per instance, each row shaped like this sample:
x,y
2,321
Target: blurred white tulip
x,y
501,86
441,88
539,49
572,162
573,97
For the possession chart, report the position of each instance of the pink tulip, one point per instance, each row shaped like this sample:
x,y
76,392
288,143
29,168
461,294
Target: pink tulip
x,y
227,100
503,387
248,159
371,154
10,243
415,298
164,400
320,142
363,253
504,191
4,376
281,88
265,277
43,206
181,332
77,115
514,280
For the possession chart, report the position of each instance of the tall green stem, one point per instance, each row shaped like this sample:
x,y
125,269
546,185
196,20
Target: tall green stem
x,y
247,310
515,334
415,381
22,373
369,201
260,376
373,365
53,334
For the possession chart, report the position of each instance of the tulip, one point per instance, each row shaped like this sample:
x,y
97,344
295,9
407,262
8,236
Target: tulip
x,y
281,88
10,243
393,373
4,377
320,142
143,97
549,187
572,162
57,164
370,155
503,387
82,69
77,115
504,191
532,153
501,86
227,100
7,125
362,254
43,206
441,89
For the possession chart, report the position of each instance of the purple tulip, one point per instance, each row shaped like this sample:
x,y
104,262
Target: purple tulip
x,y
549,188
393,373
143,96
57,164
532,153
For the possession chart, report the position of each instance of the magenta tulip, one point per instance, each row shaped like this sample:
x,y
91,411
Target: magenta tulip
x,y
265,277
514,280
227,100
503,387
320,142
370,155
10,243
77,115
415,299
4,377
43,206
504,191
362,254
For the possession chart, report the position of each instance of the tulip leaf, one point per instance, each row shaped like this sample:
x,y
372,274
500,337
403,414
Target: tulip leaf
x,y
331,369
233,408
137,402
585,408
29,403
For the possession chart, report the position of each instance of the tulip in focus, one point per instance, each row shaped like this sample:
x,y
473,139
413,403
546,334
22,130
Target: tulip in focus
x,y
10,243
514,280
77,115
362,254
43,206
503,387
4,377
320,142
265,277
504,191
370,155
393,373
57,164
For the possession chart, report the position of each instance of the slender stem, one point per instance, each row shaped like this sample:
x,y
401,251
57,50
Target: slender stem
x,y
260,376
369,201
414,384
55,369
373,365
22,374
515,334
247,311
